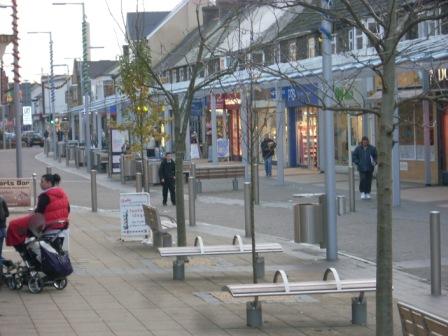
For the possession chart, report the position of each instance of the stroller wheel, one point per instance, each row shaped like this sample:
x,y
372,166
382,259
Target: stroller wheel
x,y
35,284
11,283
60,284
18,280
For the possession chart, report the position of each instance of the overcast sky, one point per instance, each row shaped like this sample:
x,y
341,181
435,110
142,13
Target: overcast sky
x,y
106,30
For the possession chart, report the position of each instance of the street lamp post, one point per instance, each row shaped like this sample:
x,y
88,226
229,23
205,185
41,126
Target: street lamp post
x,y
17,104
85,76
52,94
330,177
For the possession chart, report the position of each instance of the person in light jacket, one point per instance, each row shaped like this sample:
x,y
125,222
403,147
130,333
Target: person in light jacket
x,y
365,157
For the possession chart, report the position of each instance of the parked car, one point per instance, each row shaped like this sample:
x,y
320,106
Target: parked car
x,y
10,139
31,138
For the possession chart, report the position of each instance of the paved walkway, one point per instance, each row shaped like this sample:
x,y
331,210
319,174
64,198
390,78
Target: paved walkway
x,y
127,289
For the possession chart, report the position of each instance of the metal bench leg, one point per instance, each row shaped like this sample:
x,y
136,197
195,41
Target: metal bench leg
x,y
254,314
359,310
235,184
179,269
259,267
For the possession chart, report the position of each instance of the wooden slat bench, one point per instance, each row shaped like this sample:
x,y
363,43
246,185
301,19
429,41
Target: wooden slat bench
x,y
416,322
335,286
219,172
160,235
199,249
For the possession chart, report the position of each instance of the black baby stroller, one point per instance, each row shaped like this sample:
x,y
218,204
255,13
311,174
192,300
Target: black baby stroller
x,y
44,263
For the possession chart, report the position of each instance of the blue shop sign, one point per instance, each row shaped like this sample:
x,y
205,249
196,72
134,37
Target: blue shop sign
x,y
113,109
299,95
197,106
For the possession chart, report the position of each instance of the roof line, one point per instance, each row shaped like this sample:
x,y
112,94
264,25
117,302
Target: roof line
x,y
168,17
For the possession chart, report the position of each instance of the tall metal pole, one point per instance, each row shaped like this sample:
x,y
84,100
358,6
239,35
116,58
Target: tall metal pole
x,y
244,133
330,176
86,84
52,99
280,119
214,130
426,129
436,260
17,103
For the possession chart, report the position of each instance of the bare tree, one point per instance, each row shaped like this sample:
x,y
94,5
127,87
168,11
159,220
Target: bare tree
x,y
208,40
389,22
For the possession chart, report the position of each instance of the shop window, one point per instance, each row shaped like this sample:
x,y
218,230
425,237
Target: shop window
x,y
411,132
307,137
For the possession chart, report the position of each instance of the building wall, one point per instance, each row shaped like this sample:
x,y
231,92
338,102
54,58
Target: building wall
x,y
176,25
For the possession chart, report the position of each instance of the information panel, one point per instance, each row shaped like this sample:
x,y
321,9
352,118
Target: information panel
x,y
16,191
133,225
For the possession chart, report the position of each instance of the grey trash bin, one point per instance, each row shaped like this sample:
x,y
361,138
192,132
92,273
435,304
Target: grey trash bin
x,y
308,223
153,171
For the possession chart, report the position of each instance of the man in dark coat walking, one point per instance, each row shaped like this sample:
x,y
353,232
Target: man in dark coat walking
x,y
267,150
167,175
365,157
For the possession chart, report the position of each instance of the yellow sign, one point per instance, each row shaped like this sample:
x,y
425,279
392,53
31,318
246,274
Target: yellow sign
x,y
16,191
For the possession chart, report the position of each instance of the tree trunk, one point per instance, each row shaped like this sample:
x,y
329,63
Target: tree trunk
x,y
180,153
384,304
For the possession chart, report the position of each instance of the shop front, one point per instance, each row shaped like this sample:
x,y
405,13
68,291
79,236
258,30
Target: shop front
x,y
228,120
302,125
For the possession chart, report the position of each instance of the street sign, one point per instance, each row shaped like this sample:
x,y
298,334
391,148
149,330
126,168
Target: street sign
x,y
27,116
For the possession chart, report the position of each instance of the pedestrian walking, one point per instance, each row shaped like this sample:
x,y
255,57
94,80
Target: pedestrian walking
x,y
365,157
4,213
167,174
267,150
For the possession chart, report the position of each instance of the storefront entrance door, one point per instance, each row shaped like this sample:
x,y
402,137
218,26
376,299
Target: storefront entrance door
x,y
306,128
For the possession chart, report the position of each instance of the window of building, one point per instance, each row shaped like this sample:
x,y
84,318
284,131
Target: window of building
x,y
177,75
334,43
302,47
311,47
292,50
269,55
109,88
284,51
357,40
257,57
